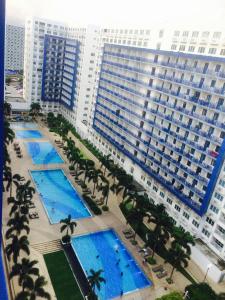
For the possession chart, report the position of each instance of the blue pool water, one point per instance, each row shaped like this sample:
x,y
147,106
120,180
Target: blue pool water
x,y
113,259
23,125
58,195
28,134
43,153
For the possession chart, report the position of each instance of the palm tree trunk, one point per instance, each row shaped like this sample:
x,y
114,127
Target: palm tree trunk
x,y
10,193
171,275
154,249
106,199
94,189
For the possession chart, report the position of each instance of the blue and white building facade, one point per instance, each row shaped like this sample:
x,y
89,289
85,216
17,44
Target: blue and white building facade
x,y
163,113
59,70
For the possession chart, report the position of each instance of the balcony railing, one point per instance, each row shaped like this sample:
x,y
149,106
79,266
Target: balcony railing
x,y
168,64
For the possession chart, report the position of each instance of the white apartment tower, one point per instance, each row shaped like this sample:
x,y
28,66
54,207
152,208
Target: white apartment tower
x,y
14,47
155,101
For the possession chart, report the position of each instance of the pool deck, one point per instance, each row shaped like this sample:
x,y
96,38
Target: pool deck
x,y
42,232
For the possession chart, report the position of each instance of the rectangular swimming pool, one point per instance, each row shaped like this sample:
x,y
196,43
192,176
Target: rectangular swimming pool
x,y
43,153
23,125
104,250
58,195
28,134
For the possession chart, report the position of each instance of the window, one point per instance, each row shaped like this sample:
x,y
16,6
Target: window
x,y
191,49
182,48
149,183
201,49
161,33
162,194
195,34
222,182
214,209
177,207
195,223
169,201
210,221
185,33
173,47
176,33
205,34
216,35
222,52
205,232
186,215
218,243
155,188
212,50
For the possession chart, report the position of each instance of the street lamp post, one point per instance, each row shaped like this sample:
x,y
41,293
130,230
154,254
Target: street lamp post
x,y
207,270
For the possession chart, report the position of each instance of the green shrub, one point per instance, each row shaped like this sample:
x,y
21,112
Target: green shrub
x,y
151,260
201,291
92,205
71,168
171,296
105,207
133,242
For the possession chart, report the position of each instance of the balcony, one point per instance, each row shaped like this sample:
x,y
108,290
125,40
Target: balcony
x,y
191,69
169,118
185,97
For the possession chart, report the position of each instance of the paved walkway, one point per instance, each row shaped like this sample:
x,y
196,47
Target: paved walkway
x,y
42,231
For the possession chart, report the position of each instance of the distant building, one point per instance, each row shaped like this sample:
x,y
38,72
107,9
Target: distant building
x,y
14,47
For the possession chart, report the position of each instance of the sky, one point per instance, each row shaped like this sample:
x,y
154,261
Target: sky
x,y
127,13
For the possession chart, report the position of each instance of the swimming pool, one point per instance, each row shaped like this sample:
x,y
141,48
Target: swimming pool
x,y
43,153
58,195
23,125
104,250
28,134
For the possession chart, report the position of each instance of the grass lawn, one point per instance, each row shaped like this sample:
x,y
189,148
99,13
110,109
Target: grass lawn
x,y
62,278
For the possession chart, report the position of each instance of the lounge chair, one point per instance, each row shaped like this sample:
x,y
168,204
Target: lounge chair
x,y
99,202
32,205
158,269
129,236
34,215
19,155
127,231
162,274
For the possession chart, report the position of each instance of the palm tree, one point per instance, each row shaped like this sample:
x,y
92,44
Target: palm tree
x,y
17,245
7,109
94,176
106,161
95,279
24,270
113,172
20,205
163,225
9,134
17,224
7,176
183,238
105,189
33,289
35,109
177,257
87,166
137,215
67,225
25,191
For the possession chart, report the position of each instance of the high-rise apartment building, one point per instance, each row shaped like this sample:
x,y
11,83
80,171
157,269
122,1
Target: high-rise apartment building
x,y
14,53
154,100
